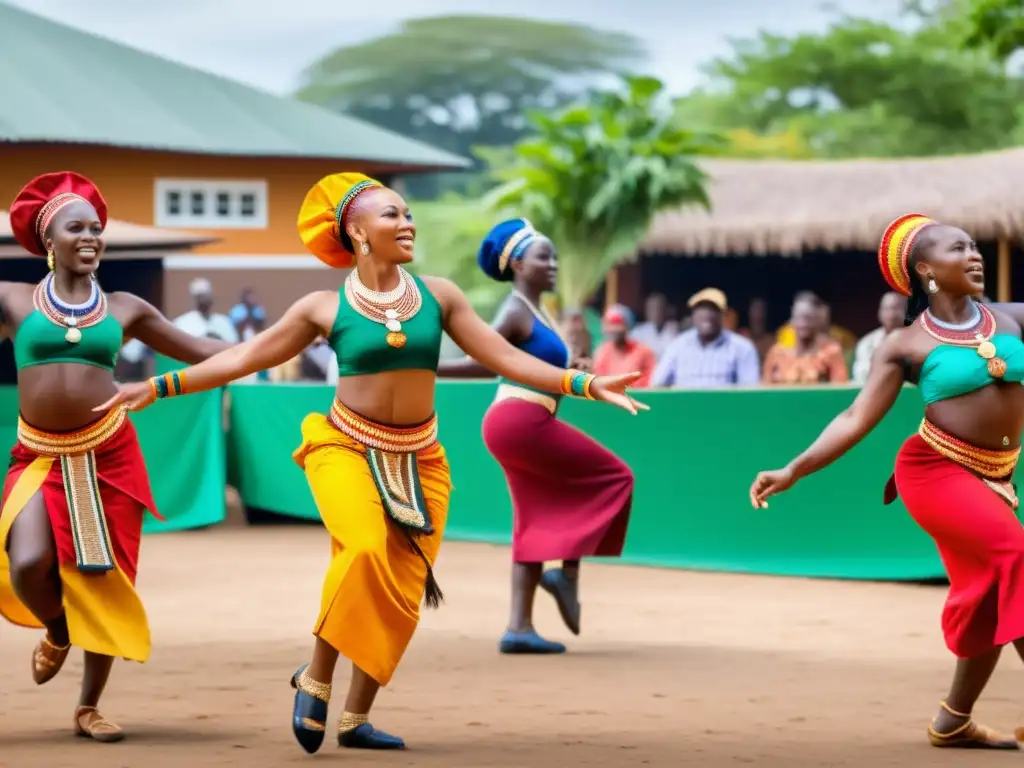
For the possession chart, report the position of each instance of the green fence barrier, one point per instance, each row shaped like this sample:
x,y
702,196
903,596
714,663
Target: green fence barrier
x,y
183,442
694,455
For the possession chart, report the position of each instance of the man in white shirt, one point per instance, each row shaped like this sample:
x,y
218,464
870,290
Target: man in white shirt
x,y
201,321
891,310
657,331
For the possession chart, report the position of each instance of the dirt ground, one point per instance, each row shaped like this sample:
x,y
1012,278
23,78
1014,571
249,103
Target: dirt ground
x,y
672,669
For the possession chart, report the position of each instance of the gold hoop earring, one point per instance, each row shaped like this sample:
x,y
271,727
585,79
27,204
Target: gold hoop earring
x,y
933,287
50,260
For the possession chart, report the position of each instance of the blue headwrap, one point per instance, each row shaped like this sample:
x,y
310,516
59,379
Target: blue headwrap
x,y
505,243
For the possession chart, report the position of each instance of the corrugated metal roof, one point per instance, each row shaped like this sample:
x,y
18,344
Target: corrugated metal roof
x,y
63,85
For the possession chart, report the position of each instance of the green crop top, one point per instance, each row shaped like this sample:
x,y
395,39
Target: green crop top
x,y
360,344
38,342
950,371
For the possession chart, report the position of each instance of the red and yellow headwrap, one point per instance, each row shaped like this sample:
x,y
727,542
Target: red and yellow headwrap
x,y
897,240
322,216
40,200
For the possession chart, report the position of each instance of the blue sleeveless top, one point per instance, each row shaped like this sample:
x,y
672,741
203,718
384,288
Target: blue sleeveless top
x,y
951,371
545,344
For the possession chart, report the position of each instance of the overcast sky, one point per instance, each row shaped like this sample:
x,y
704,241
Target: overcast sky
x,y
266,43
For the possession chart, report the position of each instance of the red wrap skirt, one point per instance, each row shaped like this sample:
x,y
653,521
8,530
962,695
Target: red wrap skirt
x,y
96,490
979,538
571,496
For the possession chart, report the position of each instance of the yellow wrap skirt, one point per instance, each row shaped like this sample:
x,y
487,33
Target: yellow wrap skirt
x,y
375,583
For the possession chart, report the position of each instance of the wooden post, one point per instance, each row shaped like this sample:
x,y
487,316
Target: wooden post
x,y
1003,270
611,287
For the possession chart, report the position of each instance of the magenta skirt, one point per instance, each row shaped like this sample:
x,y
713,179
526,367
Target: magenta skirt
x,y
571,496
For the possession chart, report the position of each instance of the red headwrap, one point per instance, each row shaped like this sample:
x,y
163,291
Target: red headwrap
x,y
36,205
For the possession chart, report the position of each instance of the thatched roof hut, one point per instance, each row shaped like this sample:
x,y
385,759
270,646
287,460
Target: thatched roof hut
x,y
787,207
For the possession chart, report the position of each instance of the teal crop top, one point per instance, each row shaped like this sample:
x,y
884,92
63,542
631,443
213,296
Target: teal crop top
x,y
361,346
951,371
39,342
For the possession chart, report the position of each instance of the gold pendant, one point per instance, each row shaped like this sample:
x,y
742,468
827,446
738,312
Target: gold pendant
x,y
73,336
396,339
996,367
987,350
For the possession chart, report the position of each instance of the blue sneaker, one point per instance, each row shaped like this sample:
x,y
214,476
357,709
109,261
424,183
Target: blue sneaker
x,y
528,642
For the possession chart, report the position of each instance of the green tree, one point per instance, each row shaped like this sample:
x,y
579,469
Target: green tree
x,y
865,88
594,175
995,25
460,81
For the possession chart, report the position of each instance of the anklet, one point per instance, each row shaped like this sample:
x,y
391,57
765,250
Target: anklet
x,y
952,711
314,688
350,721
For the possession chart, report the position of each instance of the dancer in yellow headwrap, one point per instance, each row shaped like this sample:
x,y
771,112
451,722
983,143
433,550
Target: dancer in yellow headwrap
x,y
374,465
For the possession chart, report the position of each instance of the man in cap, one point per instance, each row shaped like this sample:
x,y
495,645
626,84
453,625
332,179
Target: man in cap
x,y
203,321
708,355
620,354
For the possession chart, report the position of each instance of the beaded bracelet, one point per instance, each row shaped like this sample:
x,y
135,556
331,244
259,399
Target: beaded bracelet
x,y
168,385
577,384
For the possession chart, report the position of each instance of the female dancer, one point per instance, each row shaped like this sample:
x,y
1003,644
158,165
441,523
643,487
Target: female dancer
x,y
571,497
374,465
955,474
76,488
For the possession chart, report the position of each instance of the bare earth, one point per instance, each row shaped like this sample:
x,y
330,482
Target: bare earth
x,y
672,669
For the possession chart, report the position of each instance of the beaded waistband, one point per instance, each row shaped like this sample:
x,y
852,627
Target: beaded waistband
x,y
71,443
382,436
512,392
994,465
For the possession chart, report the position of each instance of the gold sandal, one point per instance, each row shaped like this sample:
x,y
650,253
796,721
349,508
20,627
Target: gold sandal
x,y
47,660
970,735
98,728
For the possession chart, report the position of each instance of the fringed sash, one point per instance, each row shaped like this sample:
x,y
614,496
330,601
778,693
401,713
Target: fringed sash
x,y
93,549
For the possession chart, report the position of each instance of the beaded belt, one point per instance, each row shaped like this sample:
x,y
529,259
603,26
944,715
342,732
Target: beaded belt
x,y
382,436
995,465
94,552
994,468
512,392
71,443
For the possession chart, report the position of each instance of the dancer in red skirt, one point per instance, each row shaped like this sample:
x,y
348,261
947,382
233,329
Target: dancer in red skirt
x,y
76,489
955,474
571,497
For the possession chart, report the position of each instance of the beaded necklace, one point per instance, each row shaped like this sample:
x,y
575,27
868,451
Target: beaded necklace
x,y
74,317
390,308
542,315
976,333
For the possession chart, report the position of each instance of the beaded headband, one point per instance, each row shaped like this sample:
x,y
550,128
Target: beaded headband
x,y
894,250
346,201
48,211
517,245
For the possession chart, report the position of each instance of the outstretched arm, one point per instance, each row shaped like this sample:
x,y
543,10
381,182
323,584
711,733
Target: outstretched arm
x,y
279,343
487,346
512,324
157,332
845,430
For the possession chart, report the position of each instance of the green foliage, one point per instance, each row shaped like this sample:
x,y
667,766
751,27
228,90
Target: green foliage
x,y
863,88
459,81
995,25
594,175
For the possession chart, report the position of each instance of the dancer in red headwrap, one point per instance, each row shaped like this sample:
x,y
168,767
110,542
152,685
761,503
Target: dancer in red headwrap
x,y
76,487
955,474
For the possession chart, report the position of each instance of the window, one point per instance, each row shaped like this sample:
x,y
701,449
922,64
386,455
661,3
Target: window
x,y
205,204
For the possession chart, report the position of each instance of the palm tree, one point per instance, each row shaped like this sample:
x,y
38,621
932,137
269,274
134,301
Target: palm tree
x,y
594,176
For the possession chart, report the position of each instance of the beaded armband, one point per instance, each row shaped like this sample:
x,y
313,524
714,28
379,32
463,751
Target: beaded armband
x,y
577,384
168,385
